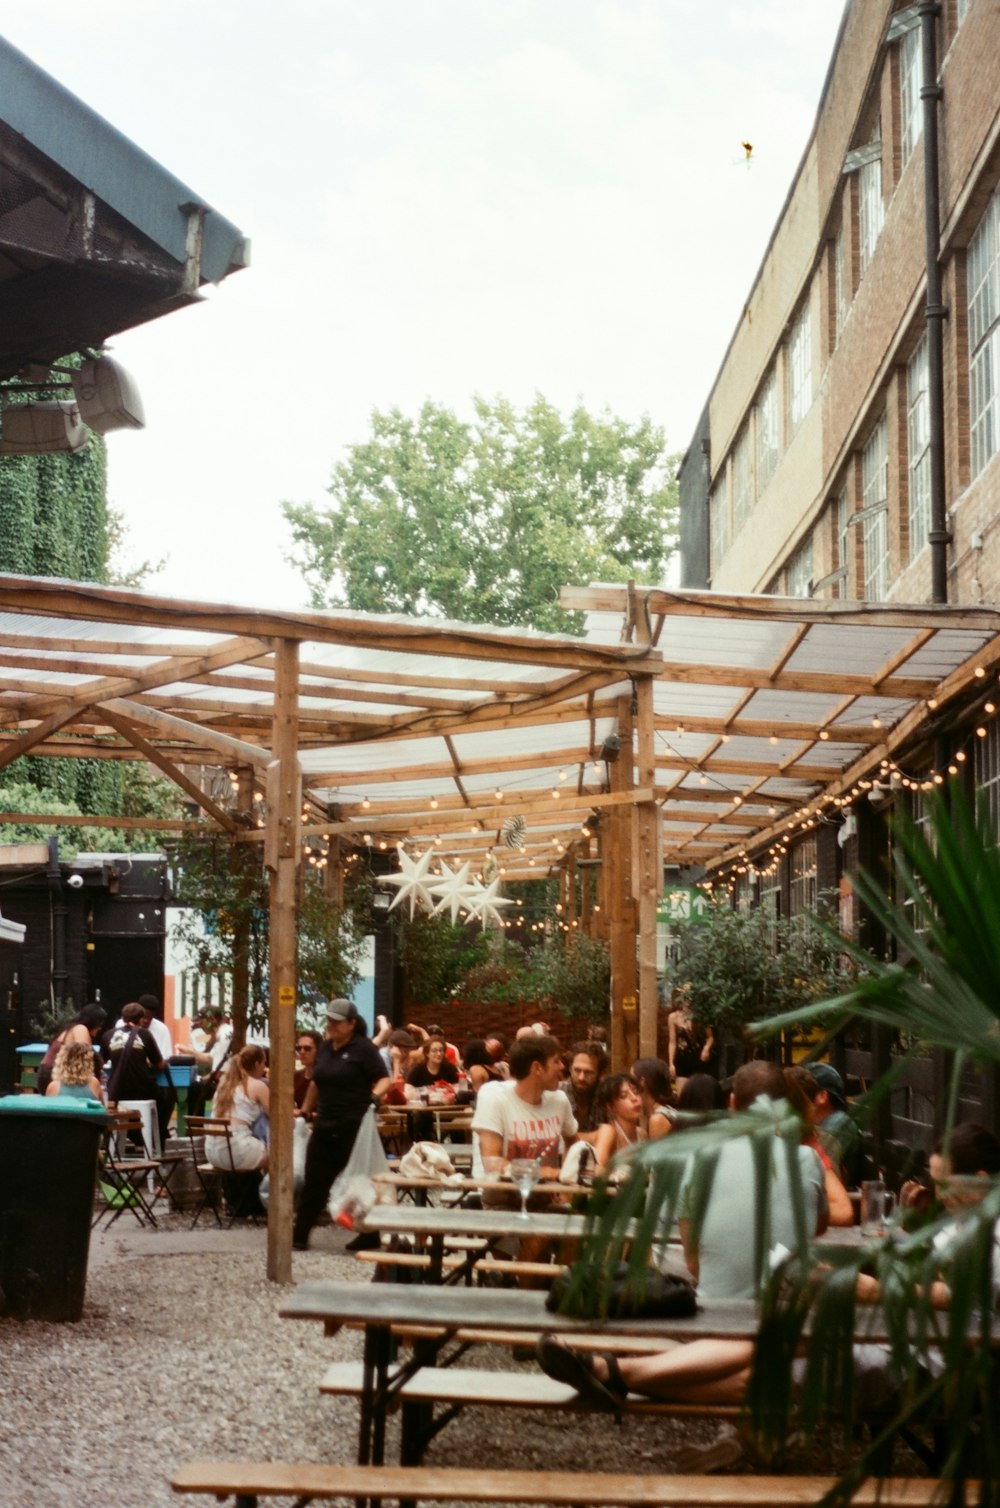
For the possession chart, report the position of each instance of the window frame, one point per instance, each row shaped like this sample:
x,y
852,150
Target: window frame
x,y
875,526
983,306
918,447
768,419
871,207
800,394
911,79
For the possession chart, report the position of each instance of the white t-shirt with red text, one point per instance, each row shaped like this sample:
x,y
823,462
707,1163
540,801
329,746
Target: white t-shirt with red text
x,y
525,1130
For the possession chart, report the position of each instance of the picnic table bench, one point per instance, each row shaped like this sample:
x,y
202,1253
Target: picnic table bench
x,y
307,1481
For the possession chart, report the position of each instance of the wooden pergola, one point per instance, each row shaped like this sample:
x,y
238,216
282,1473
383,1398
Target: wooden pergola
x,y
685,729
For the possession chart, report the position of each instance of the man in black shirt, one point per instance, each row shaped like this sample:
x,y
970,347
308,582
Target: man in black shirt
x,y
348,1077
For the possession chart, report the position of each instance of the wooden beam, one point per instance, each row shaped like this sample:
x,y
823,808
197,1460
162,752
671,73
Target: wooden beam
x,y
192,733
159,759
128,824
387,633
745,727
92,693
34,736
283,817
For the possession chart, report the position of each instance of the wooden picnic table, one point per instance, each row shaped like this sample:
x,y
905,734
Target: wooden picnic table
x,y
378,1307
433,1225
463,1187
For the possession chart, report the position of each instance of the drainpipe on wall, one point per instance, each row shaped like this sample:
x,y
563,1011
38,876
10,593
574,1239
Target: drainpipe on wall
x,y
58,911
935,311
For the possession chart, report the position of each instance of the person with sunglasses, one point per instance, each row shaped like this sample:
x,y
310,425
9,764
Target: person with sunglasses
x,y
306,1047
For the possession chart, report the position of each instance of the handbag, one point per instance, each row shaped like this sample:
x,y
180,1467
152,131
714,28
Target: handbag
x,y
586,1290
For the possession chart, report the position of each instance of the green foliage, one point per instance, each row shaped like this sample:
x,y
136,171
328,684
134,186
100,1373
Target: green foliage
x,y
219,898
438,955
574,975
121,570
744,966
485,521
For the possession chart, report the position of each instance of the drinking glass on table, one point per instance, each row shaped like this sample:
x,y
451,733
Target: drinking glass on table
x,y
525,1173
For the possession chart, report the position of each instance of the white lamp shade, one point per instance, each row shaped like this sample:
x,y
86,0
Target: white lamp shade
x,y
108,396
33,429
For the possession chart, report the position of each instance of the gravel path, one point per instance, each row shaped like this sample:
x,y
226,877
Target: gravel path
x,y
181,1353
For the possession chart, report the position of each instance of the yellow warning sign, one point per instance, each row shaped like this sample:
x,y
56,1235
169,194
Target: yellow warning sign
x,y
286,994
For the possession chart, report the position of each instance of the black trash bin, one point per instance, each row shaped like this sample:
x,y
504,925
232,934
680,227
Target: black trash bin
x,y
48,1170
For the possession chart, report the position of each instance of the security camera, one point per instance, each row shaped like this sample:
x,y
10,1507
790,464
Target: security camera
x,y
75,880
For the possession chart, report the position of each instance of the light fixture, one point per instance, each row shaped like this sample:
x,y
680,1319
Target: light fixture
x,y
34,429
108,396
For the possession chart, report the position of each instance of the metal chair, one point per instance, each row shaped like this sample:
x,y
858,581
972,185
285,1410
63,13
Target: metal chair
x,y
207,1172
121,1173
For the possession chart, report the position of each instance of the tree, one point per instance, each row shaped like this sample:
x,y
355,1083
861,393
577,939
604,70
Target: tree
x,y
485,521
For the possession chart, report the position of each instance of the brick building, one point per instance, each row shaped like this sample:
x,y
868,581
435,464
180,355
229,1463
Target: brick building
x,y
850,445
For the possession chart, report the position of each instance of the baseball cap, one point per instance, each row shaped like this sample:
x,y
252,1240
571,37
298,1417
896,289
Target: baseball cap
x,y
829,1079
341,1010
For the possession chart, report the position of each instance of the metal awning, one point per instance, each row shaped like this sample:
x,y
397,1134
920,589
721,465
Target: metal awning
x,y
443,732
95,237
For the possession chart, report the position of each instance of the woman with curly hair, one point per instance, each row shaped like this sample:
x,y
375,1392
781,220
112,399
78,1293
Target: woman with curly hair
x,y
242,1098
73,1074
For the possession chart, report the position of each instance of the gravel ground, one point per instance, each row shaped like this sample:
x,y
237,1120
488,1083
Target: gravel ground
x,y
181,1353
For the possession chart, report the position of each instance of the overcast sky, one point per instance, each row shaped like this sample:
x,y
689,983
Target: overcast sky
x,y
444,197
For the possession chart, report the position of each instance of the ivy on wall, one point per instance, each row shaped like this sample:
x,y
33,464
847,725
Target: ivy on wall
x,y
54,521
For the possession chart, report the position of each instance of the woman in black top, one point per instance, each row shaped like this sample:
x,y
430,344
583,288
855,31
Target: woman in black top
x,y
348,1077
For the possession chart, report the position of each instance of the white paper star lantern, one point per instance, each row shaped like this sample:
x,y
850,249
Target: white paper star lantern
x,y
453,890
486,902
412,880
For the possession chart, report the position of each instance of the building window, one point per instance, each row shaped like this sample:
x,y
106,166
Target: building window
x,y
770,901
767,432
984,335
987,773
800,368
911,77
802,877
875,495
742,480
841,297
918,440
842,543
871,210
800,571
718,526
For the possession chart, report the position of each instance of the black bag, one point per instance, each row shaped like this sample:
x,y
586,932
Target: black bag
x,y
586,1290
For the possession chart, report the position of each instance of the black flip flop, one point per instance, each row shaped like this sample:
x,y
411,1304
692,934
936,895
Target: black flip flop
x,y
575,1368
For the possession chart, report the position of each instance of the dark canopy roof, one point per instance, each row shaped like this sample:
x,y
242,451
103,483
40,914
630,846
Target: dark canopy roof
x,y
95,237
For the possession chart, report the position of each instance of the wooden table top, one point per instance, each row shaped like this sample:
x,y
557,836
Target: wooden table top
x,y
456,1220
385,1304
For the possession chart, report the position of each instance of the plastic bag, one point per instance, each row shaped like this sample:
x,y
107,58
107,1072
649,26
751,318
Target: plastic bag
x,y
353,1192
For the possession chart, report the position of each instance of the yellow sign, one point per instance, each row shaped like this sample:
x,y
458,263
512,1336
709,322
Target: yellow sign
x,y
628,1002
286,994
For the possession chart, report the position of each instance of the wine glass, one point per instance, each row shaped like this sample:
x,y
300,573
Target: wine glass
x,y
525,1172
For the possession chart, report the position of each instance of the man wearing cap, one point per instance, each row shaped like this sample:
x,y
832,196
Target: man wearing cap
x,y
212,1056
349,1076
837,1131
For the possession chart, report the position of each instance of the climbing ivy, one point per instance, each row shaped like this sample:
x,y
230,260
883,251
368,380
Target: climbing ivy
x,y
54,521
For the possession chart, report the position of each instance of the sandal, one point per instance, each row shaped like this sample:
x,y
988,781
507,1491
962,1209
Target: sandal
x,y
576,1369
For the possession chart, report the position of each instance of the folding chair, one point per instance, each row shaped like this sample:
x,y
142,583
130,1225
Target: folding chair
x,y
207,1172
121,1173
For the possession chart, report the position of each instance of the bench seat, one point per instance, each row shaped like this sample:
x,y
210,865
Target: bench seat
x,y
459,1386
558,1489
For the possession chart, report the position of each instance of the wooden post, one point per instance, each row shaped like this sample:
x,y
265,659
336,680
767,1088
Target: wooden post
x,y
282,856
242,862
618,892
647,870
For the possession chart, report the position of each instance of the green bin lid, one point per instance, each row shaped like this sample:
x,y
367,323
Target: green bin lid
x,y
50,1104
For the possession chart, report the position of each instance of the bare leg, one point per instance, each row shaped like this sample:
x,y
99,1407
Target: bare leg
x,y
702,1371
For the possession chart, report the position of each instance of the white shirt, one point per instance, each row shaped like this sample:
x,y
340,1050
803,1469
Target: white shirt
x,y
525,1130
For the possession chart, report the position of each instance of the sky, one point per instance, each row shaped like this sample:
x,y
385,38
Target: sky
x,y
443,198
